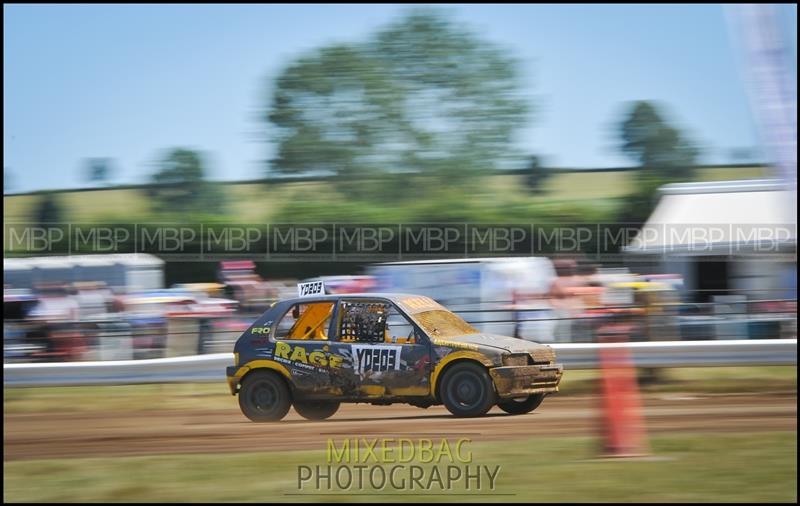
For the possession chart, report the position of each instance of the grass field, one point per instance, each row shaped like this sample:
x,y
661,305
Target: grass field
x,y
256,203
212,395
686,468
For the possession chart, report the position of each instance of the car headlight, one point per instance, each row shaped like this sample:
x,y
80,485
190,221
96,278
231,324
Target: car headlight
x,y
516,359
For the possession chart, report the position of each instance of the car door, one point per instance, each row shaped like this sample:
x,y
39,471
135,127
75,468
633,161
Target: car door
x,y
389,355
304,346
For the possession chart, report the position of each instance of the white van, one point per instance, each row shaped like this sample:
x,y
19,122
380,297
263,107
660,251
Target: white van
x,y
486,292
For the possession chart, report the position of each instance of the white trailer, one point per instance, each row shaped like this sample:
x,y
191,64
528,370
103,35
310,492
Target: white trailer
x,y
487,292
125,272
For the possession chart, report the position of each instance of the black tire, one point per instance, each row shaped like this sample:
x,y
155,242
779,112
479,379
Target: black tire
x,y
316,410
521,406
264,397
467,390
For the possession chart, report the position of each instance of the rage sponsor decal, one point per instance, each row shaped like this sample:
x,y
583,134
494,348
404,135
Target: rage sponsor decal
x,y
371,358
299,356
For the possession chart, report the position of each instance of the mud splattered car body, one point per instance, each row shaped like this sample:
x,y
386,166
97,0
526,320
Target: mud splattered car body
x,y
383,349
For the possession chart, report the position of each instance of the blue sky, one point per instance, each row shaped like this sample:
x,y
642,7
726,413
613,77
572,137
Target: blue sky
x,y
129,81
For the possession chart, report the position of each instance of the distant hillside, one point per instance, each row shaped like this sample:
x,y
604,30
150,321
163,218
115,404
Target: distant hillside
x,y
257,201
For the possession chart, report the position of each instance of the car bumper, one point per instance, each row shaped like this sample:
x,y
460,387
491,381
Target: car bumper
x,y
235,374
518,381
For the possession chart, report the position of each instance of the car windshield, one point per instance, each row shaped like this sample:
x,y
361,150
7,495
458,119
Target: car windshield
x,y
441,323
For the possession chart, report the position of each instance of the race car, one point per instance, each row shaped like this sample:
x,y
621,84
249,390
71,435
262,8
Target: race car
x,y
317,351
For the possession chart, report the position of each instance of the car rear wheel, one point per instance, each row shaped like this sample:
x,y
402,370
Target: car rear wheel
x,y
521,405
316,410
467,390
264,397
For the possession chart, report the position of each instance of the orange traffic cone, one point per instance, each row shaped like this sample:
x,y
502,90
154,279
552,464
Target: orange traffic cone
x,y
622,420
514,305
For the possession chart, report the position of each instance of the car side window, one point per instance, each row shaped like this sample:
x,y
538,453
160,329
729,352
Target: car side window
x,y
309,321
362,322
399,329
374,322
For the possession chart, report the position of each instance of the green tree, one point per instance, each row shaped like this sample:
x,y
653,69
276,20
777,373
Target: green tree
x,y
420,96
48,210
98,170
648,139
536,175
461,98
330,110
180,186
664,154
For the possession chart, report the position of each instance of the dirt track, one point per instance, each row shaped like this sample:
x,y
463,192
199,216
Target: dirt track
x,y
56,435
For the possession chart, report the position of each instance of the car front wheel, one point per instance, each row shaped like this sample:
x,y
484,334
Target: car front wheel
x,y
521,405
264,397
467,390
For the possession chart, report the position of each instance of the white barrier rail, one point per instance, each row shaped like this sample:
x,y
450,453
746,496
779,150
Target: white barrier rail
x,y
686,353
211,368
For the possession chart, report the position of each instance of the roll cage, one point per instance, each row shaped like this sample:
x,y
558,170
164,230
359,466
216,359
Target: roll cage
x,y
272,317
